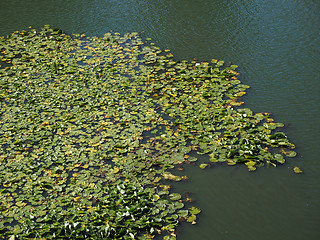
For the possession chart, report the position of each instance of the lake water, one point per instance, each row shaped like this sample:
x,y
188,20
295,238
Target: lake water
x,y
277,47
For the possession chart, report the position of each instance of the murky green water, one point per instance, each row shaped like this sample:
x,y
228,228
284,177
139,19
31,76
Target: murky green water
x,y
277,46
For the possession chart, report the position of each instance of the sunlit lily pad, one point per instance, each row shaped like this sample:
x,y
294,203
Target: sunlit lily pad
x,y
297,170
290,153
194,210
203,165
175,196
183,213
192,218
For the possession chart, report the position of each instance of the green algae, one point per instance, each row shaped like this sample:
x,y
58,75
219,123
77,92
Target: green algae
x,y
84,118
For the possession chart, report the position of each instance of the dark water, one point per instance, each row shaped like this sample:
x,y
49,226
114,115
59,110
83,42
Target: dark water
x,y
277,46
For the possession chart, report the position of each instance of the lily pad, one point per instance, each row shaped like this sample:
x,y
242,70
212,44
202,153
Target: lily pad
x,y
192,218
175,196
194,210
297,170
203,165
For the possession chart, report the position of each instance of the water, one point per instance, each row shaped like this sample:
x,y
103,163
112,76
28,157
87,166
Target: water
x,y
276,45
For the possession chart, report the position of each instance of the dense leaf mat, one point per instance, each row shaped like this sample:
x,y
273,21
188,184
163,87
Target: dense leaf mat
x,y
90,127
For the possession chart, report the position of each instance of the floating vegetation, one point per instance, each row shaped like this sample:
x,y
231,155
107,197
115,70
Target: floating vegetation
x,y
90,128
297,170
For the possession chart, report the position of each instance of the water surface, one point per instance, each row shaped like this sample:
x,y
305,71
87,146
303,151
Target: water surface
x,y
276,45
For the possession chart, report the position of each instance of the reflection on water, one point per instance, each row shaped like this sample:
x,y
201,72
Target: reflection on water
x,y
276,45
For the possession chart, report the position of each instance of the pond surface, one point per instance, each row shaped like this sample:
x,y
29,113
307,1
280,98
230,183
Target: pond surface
x,y
276,46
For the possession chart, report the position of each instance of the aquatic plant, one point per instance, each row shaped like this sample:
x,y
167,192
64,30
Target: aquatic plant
x,y
91,126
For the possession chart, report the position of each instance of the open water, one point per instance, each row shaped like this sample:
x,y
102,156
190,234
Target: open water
x,y
277,47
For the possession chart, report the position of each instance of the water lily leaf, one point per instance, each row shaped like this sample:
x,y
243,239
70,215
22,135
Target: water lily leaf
x,y
234,67
279,125
157,179
192,159
21,204
194,210
183,213
163,192
170,176
203,165
116,170
289,153
178,205
213,158
251,165
192,218
169,238
156,197
279,158
175,196
297,170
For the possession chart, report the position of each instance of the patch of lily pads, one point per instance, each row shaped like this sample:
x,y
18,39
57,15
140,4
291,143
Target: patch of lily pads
x,y
91,126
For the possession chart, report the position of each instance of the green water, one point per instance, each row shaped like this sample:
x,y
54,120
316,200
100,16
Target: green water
x,y
277,46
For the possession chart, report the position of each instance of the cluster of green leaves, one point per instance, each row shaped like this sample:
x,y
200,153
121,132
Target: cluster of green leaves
x,y
123,211
202,103
90,127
